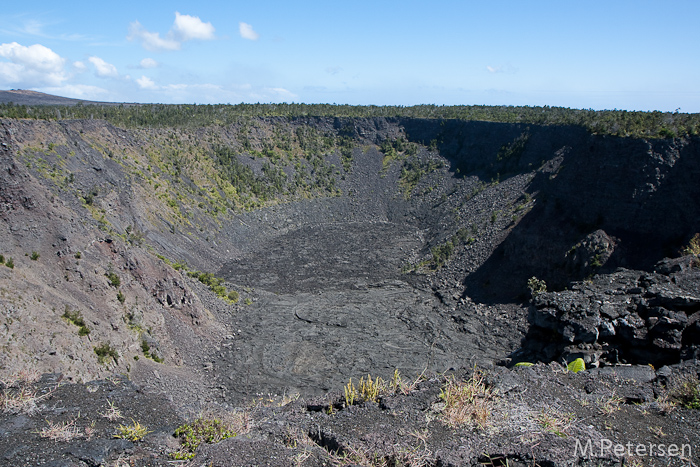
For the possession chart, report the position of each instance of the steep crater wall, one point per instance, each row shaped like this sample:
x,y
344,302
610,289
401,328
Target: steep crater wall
x,y
358,245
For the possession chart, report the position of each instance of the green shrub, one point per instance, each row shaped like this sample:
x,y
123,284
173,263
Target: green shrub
x,y
76,318
2,259
134,432
10,263
693,247
78,255
536,286
114,280
35,256
121,297
233,296
666,133
200,431
104,352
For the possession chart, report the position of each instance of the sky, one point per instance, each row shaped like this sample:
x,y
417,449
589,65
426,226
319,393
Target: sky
x,y
611,54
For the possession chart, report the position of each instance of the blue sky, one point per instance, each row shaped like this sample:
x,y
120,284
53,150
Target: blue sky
x,y
634,55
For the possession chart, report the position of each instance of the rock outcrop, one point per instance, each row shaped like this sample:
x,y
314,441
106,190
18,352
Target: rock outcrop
x,y
624,317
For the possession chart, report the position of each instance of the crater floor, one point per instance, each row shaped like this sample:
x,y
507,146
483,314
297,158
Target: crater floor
x,y
326,257
332,306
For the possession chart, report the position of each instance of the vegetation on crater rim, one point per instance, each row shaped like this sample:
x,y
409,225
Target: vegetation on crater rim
x,y
612,122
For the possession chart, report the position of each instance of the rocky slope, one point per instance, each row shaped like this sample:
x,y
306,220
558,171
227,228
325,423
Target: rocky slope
x,y
345,247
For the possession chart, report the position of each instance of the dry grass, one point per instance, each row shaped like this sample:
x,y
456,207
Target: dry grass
x,y
467,402
112,413
610,405
295,437
62,431
685,391
401,456
22,377
664,405
19,396
22,400
555,422
399,385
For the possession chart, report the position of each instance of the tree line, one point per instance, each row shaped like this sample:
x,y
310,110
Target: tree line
x,y
622,123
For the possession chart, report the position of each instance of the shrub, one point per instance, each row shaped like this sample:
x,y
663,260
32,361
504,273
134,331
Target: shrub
x,y
146,349
693,247
78,255
10,263
35,256
200,431
233,296
2,259
536,286
121,297
114,280
104,352
76,318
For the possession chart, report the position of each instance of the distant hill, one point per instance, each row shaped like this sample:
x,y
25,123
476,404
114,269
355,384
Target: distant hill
x,y
25,97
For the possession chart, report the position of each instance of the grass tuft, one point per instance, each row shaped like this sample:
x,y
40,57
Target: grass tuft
x,y
134,432
467,402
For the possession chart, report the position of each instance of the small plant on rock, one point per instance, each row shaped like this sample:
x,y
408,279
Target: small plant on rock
x,y
467,401
576,366
686,392
369,390
112,413
610,405
10,263
34,256
134,432
555,422
207,430
693,247
536,286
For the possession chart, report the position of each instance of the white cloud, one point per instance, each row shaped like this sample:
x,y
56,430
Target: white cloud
x,y
80,67
508,69
145,82
188,27
247,31
148,63
333,70
151,40
185,28
30,66
104,69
